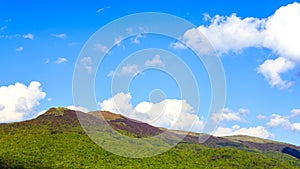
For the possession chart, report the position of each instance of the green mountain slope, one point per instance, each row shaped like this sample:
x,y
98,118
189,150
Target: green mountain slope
x,y
56,140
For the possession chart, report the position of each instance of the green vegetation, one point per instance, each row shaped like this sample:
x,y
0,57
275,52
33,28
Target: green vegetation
x,y
52,141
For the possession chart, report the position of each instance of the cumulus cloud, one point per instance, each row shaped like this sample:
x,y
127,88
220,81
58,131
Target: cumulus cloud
x,y
169,113
261,117
278,120
61,60
243,111
272,69
155,61
135,69
285,121
227,114
232,33
282,31
101,48
258,131
61,36
28,36
127,70
19,102
295,112
195,40
178,45
206,17
279,33
86,62
296,126
119,103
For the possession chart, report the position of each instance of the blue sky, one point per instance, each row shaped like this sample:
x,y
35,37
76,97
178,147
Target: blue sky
x,y
40,43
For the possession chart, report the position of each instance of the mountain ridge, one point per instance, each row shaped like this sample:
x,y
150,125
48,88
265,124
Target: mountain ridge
x,y
141,129
62,125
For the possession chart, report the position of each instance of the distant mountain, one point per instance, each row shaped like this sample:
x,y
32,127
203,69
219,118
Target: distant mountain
x,y
57,140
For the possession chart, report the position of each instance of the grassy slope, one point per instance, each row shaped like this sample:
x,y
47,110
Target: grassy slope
x,y
56,140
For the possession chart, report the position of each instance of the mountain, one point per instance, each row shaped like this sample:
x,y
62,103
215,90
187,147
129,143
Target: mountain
x,y
57,140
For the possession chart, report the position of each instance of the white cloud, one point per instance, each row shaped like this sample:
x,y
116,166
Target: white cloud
x,y
87,63
19,101
101,48
271,70
118,40
231,33
279,33
61,36
261,117
296,127
284,121
127,70
111,74
155,61
227,114
282,31
243,111
78,108
20,49
102,9
295,112
206,17
61,60
137,38
29,36
258,131
119,103
195,40
169,113
278,120
178,45
134,69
